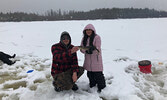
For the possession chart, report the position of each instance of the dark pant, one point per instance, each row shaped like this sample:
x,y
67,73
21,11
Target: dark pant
x,y
63,81
5,58
96,78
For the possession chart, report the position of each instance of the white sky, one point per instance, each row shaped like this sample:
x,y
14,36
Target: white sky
x,y
42,6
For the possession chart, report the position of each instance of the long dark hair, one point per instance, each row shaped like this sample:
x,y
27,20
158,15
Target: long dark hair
x,y
86,37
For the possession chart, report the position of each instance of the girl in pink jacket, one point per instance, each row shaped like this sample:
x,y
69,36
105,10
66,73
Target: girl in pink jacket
x,y
93,57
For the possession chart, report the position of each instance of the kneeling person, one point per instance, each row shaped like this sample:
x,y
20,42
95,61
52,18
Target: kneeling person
x,y
65,70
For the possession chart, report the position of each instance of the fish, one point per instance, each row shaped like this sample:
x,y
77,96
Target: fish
x,y
87,48
84,48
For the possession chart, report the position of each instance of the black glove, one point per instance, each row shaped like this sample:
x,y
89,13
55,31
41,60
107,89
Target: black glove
x,y
90,51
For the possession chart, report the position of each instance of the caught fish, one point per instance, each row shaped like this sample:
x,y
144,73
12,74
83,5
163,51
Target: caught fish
x,y
84,48
87,48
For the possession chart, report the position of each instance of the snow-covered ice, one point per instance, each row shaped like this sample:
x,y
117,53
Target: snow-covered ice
x,y
124,43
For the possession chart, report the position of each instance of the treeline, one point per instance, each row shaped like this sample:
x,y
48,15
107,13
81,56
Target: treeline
x,y
104,13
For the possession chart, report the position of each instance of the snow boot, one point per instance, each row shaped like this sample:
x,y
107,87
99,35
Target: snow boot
x,y
75,87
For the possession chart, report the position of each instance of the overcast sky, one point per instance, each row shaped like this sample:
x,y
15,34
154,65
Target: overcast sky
x,y
41,6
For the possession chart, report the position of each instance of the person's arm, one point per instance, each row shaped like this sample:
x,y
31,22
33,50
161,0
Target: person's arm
x,y
53,71
74,76
74,62
74,66
60,56
74,49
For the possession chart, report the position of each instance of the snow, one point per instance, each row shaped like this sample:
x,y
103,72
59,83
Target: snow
x,y
124,43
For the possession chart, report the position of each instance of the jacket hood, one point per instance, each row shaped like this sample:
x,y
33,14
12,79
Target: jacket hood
x,y
65,33
89,26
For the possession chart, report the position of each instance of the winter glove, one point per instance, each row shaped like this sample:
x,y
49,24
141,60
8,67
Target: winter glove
x,y
90,51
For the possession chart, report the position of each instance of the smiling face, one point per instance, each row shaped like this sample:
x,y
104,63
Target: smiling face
x,y
89,32
66,39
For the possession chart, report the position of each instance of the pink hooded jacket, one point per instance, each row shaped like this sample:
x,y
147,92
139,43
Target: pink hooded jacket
x,y
93,62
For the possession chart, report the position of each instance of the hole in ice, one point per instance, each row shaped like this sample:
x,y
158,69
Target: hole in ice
x,y
15,85
3,95
5,76
39,80
33,87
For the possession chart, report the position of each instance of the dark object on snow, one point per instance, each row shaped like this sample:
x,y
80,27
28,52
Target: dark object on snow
x,y
96,78
63,81
75,87
90,51
145,66
5,58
